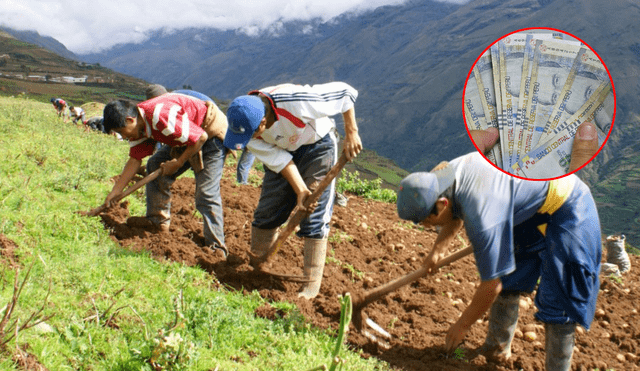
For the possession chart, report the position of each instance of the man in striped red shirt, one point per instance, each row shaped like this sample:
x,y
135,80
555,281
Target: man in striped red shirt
x,y
290,130
192,131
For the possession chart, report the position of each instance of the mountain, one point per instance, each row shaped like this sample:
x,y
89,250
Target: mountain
x,y
29,69
46,42
409,62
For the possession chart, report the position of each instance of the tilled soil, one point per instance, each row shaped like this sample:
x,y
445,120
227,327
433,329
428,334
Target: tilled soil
x,y
369,246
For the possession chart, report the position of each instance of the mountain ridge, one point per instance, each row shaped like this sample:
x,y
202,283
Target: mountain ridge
x,y
409,63
47,42
414,117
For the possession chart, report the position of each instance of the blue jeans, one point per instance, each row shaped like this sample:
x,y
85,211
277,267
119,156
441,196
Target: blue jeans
x,y
208,199
278,199
566,260
244,165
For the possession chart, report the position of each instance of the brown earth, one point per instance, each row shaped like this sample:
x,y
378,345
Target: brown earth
x,y
369,246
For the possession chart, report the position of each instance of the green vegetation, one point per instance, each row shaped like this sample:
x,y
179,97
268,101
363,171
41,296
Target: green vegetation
x,y
616,279
355,273
338,236
106,307
371,166
351,182
458,354
616,189
23,59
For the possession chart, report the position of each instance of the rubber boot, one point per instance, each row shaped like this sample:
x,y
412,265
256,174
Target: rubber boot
x,y
503,319
261,240
559,343
315,254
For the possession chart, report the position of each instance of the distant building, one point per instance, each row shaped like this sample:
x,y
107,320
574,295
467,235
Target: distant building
x,y
73,80
36,78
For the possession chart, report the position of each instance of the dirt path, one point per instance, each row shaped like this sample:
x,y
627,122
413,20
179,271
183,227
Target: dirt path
x,y
370,245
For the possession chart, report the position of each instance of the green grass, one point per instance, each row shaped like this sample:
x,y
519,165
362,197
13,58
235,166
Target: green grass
x,y
114,309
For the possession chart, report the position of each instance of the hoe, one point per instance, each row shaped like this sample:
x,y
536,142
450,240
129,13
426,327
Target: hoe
x,y
259,263
360,301
124,194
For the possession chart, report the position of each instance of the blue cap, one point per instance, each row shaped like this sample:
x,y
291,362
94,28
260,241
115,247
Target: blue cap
x,y
419,192
244,115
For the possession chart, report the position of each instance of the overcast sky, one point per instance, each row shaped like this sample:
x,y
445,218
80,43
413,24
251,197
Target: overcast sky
x,y
84,26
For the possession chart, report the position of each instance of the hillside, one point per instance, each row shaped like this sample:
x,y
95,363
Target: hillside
x,y
370,165
369,246
46,42
29,69
106,307
95,265
409,63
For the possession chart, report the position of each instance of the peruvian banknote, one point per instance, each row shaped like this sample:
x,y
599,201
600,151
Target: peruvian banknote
x,y
476,122
480,103
552,158
514,46
526,133
495,69
552,62
586,76
508,110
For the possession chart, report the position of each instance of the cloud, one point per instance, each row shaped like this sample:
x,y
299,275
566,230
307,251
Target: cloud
x,y
84,26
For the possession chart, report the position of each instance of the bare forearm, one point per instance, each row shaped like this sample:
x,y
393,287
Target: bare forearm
x,y
350,124
130,169
482,300
192,150
446,235
292,175
485,295
352,141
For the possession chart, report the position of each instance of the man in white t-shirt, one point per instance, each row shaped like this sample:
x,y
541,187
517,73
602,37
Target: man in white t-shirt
x,y
290,130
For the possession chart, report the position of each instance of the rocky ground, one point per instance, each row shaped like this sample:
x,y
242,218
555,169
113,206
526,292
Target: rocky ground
x,y
369,246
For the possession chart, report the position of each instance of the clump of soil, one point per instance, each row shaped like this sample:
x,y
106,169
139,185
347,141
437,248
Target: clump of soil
x,y
8,252
369,246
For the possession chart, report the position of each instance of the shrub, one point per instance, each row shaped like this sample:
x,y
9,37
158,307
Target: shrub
x,y
350,182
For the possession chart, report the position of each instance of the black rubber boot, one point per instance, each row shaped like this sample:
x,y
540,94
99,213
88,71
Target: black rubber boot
x,y
559,343
503,319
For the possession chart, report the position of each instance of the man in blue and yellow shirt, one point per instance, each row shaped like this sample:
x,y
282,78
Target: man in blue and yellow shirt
x,y
521,231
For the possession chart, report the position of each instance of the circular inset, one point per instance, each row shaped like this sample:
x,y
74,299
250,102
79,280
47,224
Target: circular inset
x,y
537,87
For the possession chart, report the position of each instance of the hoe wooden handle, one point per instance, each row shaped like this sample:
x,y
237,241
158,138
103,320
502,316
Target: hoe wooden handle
x,y
298,215
126,193
378,292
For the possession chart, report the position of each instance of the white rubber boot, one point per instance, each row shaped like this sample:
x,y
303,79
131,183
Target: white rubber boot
x,y
315,254
261,240
559,343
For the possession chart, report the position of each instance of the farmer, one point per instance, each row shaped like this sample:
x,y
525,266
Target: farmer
x,y
76,114
192,131
521,232
289,128
60,105
95,123
156,90
246,159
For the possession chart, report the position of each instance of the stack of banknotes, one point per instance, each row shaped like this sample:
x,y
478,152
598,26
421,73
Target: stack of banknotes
x,y
536,89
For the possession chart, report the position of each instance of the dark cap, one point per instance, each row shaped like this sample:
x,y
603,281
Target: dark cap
x,y
155,90
419,192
